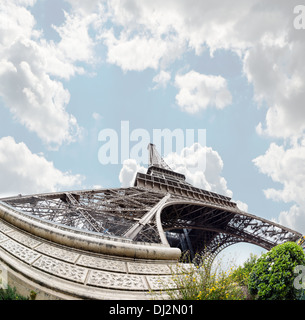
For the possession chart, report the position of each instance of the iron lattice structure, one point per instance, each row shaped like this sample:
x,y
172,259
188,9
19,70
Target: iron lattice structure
x,y
161,208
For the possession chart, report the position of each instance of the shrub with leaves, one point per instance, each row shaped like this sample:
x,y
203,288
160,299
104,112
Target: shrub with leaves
x,y
241,274
204,282
273,274
11,294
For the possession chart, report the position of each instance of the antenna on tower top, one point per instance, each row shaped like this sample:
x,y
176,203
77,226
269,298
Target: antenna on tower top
x,y
154,158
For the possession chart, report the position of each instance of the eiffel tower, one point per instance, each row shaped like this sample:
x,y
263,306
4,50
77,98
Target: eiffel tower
x,y
121,243
161,208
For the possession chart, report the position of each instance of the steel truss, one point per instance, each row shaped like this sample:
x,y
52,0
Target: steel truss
x,y
162,208
131,213
110,212
211,229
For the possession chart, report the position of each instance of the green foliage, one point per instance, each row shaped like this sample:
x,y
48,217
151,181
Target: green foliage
x,y
301,295
10,294
273,274
204,283
33,295
242,273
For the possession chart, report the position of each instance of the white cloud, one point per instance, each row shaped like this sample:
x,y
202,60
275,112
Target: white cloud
x,y
273,69
162,79
147,38
286,166
242,206
16,22
137,53
97,186
201,166
195,24
198,91
152,34
34,99
85,7
294,218
22,171
128,172
96,116
147,33
76,43
29,63
142,34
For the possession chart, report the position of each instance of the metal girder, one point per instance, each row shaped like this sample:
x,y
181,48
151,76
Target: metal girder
x,y
110,211
131,213
161,208
213,229
133,232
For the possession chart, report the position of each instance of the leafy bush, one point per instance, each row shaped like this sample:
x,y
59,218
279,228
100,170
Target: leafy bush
x,y
204,283
241,274
10,294
273,274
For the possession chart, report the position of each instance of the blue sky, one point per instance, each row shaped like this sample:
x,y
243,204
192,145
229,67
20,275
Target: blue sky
x,y
69,69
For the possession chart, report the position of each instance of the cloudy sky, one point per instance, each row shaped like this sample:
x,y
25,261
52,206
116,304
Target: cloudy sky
x,y
70,69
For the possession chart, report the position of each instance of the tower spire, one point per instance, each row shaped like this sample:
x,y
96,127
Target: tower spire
x,y
155,159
